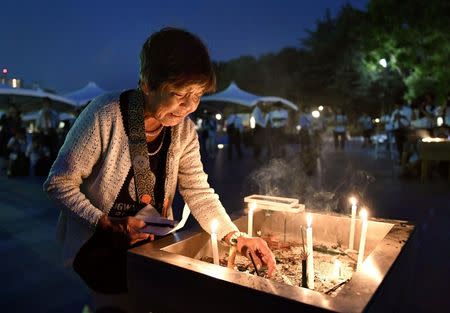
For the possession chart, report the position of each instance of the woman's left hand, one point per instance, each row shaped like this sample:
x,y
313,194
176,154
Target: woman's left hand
x,y
260,251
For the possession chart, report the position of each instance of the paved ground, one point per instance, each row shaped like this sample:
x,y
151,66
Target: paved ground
x,y
34,280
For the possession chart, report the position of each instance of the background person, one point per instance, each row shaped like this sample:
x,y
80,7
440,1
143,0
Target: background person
x,y
234,132
305,123
10,123
209,126
340,129
277,121
47,124
367,129
18,163
259,137
401,121
39,156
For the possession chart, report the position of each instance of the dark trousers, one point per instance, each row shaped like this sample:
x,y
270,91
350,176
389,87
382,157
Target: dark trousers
x,y
367,133
339,140
20,166
276,143
305,139
234,139
401,136
259,138
50,140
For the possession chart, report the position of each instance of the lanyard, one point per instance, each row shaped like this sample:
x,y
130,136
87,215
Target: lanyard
x,y
144,178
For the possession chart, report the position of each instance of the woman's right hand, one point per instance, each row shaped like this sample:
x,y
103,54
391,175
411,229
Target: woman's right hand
x,y
122,231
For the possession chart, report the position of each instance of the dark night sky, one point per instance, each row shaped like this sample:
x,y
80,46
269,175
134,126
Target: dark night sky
x,y
64,44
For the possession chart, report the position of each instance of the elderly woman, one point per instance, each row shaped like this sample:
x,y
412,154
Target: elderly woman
x,y
131,150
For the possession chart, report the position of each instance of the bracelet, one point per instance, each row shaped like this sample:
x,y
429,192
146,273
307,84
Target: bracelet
x,y
235,236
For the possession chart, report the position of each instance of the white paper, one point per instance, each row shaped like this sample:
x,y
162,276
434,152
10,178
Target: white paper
x,y
150,215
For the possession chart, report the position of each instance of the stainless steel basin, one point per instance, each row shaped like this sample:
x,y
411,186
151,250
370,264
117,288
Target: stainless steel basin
x,y
167,275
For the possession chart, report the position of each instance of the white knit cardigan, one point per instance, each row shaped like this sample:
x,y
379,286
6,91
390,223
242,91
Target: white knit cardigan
x,y
94,161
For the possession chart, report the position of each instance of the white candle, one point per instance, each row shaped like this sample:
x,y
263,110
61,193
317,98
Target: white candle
x,y
309,248
251,208
215,248
362,240
336,270
352,223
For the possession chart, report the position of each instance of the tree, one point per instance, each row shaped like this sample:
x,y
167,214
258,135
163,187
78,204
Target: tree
x,y
414,38
333,62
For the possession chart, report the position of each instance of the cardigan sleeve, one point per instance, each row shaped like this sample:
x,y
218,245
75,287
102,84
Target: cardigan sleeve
x,y
76,158
194,187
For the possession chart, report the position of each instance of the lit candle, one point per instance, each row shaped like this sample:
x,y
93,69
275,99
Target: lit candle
x,y
251,208
362,240
309,248
352,223
336,270
215,248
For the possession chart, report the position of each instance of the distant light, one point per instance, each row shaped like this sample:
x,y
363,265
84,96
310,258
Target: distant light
x,y
429,139
252,122
383,62
440,121
298,127
218,116
14,83
315,114
5,71
377,120
321,108
220,146
61,124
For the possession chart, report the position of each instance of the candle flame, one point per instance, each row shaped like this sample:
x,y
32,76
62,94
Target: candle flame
x,y
309,219
353,200
363,214
214,225
252,206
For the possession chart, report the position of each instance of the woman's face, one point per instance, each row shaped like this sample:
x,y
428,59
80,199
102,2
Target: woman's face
x,y
171,106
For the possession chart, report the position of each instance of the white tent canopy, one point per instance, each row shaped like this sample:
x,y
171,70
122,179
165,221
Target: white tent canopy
x,y
32,116
271,100
30,100
85,94
233,94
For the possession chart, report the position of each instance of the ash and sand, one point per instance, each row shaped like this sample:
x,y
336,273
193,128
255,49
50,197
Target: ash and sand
x,y
288,256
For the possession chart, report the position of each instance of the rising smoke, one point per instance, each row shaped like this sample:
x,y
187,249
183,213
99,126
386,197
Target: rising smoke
x,y
287,178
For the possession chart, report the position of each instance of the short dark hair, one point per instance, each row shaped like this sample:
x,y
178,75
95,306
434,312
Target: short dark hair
x,y
174,57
